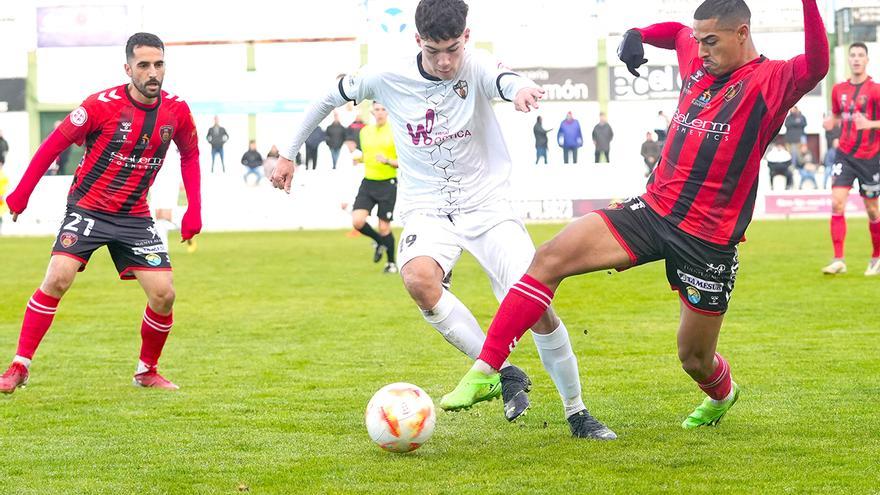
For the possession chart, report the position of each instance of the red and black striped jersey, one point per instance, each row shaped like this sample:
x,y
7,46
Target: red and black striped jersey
x,y
707,179
848,99
126,142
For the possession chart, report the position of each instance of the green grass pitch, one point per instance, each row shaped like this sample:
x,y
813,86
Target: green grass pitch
x,y
280,339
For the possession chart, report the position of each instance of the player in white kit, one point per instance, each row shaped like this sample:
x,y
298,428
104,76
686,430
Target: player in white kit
x,y
453,191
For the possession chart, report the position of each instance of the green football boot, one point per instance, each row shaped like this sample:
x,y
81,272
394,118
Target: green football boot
x,y
474,387
708,414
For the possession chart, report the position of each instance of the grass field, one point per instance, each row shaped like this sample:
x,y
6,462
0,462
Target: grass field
x,y
280,339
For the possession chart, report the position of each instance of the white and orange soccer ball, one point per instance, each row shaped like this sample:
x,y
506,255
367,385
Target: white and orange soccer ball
x,y
400,417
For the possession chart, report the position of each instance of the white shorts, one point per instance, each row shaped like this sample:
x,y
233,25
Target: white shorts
x,y
504,251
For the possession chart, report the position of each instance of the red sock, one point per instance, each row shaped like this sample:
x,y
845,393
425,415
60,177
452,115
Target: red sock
x,y
838,234
524,304
874,227
718,385
154,333
37,318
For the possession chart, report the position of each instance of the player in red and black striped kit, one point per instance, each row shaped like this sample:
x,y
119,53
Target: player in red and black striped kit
x,y
127,131
855,106
699,199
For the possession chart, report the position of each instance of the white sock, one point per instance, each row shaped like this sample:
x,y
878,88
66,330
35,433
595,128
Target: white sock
x,y
560,362
457,325
23,360
729,395
141,368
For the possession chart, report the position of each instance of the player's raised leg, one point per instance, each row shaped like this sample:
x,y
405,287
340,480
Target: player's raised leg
x,y
584,246
38,318
697,340
155,326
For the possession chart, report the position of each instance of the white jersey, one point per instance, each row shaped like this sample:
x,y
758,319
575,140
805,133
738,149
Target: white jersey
x,y
451,153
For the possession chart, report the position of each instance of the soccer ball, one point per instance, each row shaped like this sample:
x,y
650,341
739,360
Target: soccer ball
x,y
400,417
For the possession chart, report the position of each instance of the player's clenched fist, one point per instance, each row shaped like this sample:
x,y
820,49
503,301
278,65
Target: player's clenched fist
x,y
282,176
631,52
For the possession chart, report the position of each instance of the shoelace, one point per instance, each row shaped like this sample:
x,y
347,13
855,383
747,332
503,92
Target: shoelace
x,y
586,419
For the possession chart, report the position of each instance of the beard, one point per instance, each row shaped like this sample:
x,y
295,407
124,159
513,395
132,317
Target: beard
x,y
149,91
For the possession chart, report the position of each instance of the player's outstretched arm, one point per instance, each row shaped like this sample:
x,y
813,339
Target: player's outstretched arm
x,y
668,35
811,67
40,163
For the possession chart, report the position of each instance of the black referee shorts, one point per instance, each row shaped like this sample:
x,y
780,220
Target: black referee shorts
x,y
377,192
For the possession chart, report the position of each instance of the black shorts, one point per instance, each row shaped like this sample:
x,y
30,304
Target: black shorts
x,y
377,192
703,273
132,241
866,171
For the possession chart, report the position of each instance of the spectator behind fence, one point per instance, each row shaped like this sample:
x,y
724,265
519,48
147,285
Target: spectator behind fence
x,y
4,148
661,125
779,163
217,136
602,136
353,136
570,138
540,140
252,160
271,160
806,166
650,152
335,138
830,161
314,140
795,123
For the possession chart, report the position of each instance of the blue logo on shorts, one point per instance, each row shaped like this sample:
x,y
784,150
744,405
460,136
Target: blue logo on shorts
x,y
153,259
693,295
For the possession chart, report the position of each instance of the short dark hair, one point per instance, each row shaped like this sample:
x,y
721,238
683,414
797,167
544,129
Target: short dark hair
x,y
858,44
142,39
441,20
726,11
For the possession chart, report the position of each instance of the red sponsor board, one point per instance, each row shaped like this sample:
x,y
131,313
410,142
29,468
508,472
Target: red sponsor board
x,y
807,203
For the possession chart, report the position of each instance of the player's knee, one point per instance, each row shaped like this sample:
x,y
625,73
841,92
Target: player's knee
x,y
358,223
423,287
547,261
838,206
56,285
696,364
162,300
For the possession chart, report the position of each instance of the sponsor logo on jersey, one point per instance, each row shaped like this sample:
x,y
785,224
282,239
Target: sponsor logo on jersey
x,y
715,269
68,239
719,131
693,295
126,161
422,132
155,248
79,116
461,89
165,132
153,259
705,285
704,99
126,127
